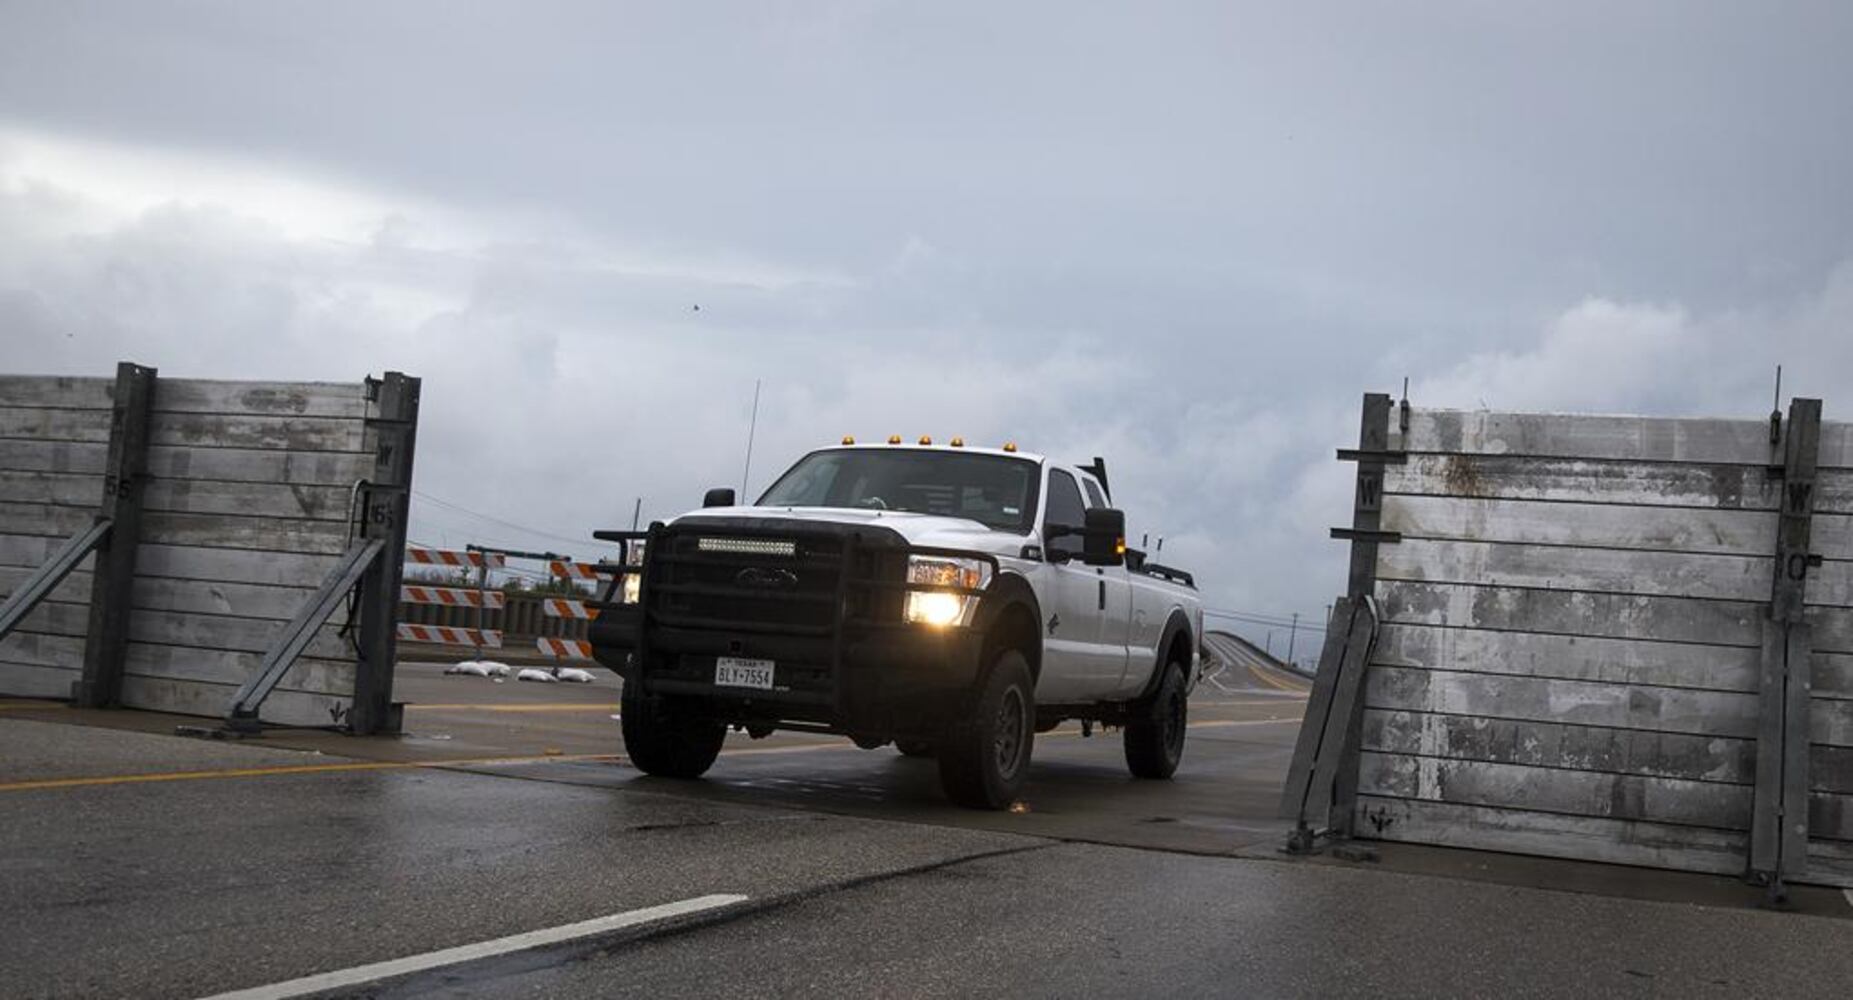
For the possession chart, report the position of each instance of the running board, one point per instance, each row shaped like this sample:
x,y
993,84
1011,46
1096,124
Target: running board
x,y
242,717
47,577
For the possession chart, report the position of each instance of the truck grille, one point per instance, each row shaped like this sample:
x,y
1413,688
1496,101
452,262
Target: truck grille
x,y
752,582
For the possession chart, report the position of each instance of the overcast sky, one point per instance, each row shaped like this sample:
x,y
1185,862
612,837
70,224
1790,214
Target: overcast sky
x,y
1187,237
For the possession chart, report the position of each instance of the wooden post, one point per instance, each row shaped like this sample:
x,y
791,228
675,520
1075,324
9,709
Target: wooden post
x,y
389,502
1779,817
1366,520
106,644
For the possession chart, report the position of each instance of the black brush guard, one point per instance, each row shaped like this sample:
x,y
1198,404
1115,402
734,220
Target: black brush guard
x,y
830,616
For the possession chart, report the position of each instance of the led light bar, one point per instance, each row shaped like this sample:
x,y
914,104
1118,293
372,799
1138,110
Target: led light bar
x,y
748,546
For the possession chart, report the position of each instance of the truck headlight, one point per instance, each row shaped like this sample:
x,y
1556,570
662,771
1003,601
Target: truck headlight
x,y
941,608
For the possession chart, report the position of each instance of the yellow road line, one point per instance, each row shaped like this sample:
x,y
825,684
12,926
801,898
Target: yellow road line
x,y
258,772
1296,689
563,706
363,765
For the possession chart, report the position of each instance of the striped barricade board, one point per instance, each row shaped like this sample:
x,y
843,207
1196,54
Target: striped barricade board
x,y
455,558
576,570
448,635
566,649
454,597
561,607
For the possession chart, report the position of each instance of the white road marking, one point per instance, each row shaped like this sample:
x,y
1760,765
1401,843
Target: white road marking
x,y
342,978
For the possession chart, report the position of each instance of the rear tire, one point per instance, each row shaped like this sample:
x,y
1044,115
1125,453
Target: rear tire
x,y
984,758
664,735
915,748
1155,739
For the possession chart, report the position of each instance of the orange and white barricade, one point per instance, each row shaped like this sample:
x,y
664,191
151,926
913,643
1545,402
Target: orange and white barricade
x,y
575,570
483,599
452,597
569,609
418,555
481,638
566,607
564,649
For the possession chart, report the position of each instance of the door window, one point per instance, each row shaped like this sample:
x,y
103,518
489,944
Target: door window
x,y
1065,511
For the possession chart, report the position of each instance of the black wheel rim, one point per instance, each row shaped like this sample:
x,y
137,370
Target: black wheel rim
x,y
1174,726
1010,735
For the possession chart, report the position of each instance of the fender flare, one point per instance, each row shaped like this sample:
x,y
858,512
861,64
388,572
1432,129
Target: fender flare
x,y
1178,622
1009,590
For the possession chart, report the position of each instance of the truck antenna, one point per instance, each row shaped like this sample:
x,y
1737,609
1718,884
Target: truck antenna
x,y
751,428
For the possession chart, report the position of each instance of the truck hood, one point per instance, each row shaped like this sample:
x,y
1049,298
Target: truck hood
x,y
929,530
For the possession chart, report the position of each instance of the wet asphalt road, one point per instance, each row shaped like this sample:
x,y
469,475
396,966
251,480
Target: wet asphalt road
x,y
191,868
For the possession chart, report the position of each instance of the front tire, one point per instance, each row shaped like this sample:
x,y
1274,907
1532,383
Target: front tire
x,y
1155,740
984,759
665,736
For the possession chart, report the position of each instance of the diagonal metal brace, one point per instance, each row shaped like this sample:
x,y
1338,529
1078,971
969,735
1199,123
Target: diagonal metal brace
x,y
295,638
1327,740
42,581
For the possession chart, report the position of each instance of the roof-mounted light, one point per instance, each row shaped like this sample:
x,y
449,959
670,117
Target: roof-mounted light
x,y
926,439
1010,446
958,442
894,439
849,439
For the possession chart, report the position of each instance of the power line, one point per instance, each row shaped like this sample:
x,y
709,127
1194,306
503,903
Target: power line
x,y
1255,619
459,508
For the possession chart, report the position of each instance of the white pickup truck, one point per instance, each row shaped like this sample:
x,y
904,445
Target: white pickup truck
x,y
953,601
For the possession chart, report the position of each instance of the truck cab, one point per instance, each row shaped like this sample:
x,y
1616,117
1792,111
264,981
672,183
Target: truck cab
x,y
951,600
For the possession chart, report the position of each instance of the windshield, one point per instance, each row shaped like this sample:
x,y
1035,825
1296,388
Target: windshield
x,y
993,490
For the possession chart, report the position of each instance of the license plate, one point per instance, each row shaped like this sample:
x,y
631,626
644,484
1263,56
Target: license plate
x,y
732,671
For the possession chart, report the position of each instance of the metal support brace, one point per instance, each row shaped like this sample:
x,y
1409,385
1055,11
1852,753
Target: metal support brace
x,y
106,643
1779,817
1366,535
389,502
47,577
1323,747
243,716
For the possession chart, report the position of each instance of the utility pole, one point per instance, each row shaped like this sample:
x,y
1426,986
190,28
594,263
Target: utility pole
x,y
1292,633
636,512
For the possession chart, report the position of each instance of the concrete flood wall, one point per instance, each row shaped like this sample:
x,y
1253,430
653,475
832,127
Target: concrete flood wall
x,y
245,509
1569,650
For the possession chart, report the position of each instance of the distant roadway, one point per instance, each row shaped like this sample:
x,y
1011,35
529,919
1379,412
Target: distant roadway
x,y
1245,668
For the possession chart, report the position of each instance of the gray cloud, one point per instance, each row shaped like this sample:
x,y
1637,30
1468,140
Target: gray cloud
x,y
1186,239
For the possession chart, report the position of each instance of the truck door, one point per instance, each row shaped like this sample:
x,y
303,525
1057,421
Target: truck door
x,y
1114,596
1076,666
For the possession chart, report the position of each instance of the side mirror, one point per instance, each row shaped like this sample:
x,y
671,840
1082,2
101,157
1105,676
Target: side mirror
x,y
1103,538
720,496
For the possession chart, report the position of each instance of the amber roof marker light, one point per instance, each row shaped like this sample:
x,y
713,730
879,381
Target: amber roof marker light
x,y
849,439
958,442
926,439
1010,446
894,439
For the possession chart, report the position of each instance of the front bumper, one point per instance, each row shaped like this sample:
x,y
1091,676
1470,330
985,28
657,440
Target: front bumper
x,y
833,666
885,682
